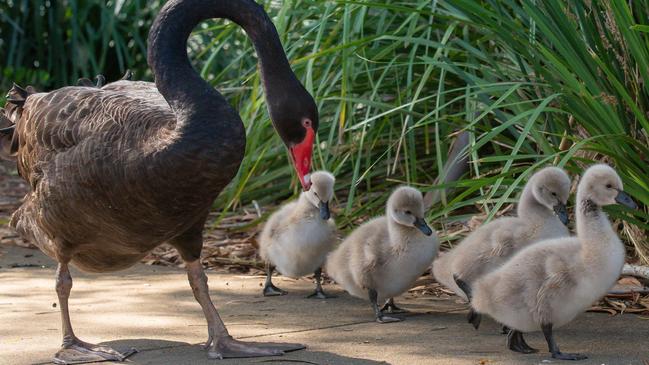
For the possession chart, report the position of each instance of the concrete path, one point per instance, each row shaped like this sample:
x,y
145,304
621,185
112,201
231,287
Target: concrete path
x,y
152,309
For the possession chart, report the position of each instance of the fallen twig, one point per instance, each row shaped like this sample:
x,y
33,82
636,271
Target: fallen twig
x,y
240,262
636,270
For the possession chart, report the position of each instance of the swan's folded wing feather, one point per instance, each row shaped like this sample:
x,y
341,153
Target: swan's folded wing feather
x,y
84,124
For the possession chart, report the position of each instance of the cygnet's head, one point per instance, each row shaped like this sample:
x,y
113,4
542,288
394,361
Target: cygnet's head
x,y
406,207
603,186
321,192
551,187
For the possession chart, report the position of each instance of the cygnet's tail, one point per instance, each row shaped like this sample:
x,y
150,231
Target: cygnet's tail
x,y
472,317
443,275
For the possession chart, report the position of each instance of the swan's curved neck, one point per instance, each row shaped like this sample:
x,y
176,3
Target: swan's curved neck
x,y
591,220
601,248
528,206
399,234
190,97
304,205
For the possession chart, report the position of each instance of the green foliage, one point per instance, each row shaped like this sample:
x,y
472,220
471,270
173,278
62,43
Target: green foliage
x,y
533,83
50,44
595,56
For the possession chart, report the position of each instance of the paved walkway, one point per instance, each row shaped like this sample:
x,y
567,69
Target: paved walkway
x,y
152,309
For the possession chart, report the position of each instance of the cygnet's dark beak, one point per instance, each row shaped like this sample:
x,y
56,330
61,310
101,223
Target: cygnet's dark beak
x,y
420,223
324,210
561,212
624,199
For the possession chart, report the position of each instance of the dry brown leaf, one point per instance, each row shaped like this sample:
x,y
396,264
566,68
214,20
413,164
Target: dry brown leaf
x,y
630,281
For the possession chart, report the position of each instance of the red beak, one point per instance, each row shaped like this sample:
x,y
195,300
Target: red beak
x,y
301,154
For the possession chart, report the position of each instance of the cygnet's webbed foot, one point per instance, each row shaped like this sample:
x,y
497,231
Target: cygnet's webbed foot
x,y
227,347
320,294
554,348
392,308
378,314
382,318
516,342
270,290
567,356
75,351
273,291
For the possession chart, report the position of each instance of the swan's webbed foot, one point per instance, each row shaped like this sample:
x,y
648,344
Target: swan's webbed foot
x,y
319,293
516,342
392,308
75,351
554,348
227,347
220,344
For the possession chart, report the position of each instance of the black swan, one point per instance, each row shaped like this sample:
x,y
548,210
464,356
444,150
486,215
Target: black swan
x,y
116,171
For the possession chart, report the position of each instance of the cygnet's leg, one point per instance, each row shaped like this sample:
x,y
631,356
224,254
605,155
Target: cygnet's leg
x,y
516,342
474,318
270,290
554,348
73,350
319,293
392,308
380,317
220,344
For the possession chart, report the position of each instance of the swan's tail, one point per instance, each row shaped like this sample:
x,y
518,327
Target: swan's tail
x,y
473,316
13,109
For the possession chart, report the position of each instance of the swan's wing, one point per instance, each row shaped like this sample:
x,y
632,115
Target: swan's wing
x,y
74,126
549,267
138,89
81,149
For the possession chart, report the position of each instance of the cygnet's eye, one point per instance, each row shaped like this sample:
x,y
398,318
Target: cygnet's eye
x,y
608,186
554,194
408,212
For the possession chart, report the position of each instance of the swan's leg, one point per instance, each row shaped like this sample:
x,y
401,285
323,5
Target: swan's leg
x,y
270,290
516,342
73,350
554,348
220,344
392,308
319,293
380,317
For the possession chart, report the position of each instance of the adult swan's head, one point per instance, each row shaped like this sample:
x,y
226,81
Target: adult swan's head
x,y
292,109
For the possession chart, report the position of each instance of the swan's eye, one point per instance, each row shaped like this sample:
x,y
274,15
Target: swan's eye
x,y
608,186
316,194
554,194
408,212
